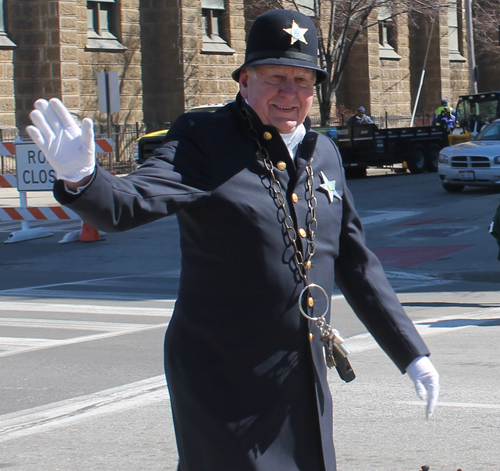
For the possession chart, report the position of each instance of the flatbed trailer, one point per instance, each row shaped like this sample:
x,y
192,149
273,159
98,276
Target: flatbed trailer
x,y
364,146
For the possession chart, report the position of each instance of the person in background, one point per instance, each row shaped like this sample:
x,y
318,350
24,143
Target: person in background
x,y
447,120
267,227
360,117
436,120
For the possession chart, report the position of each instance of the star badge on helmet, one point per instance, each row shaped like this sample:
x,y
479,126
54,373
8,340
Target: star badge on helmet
x,y
296,32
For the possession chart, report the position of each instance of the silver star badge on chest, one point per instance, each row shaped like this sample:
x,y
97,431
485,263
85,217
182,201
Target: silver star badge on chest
x,y
329,188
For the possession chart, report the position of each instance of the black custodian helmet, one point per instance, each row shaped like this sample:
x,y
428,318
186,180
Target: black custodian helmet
x,y
283,37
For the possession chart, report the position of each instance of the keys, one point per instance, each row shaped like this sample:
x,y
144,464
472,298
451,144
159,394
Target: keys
x,y
328,344
335,351
333,338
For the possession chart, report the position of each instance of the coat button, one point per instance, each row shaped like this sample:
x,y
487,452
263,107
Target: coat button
x,y
302,233
267,136
295,197
308,265
311,336
281,165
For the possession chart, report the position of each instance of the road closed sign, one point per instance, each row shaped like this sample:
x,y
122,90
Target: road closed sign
x,y
34,173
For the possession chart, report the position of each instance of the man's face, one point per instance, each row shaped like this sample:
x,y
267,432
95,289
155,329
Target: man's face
x,y
280,95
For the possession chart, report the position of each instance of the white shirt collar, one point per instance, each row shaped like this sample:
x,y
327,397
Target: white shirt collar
x,y
293,139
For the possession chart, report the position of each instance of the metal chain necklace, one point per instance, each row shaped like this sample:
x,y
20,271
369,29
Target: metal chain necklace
x,y
330,337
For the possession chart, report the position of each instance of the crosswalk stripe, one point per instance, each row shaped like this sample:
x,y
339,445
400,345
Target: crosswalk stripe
x,y
85,309
63,413
69,324
429,327
82,339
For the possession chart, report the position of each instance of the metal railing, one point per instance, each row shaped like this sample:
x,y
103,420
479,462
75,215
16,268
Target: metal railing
x,y
385,121
122,159
8,162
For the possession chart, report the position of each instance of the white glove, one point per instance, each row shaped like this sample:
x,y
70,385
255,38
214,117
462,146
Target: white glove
x,y
69,149
426,379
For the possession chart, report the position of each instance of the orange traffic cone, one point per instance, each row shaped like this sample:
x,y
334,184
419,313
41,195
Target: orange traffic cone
x,y
89,233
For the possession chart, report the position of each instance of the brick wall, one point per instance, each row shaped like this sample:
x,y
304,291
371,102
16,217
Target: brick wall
x,y
208,75
52,59
162,68
90,62
7,101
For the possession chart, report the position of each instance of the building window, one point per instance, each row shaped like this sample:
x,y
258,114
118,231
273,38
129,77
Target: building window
x,y
387,35
307,7
101,25
215,27
454,31
5,42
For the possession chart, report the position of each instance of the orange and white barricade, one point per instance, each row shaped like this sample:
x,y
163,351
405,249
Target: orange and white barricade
x,y
35,174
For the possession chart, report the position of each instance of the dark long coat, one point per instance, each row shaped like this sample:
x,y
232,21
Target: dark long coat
x,y
247,380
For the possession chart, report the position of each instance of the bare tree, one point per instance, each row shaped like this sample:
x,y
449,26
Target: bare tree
x,y
340,23
486,23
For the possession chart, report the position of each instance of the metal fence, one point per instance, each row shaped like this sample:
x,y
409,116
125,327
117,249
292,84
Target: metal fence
x,y
387,121
8,162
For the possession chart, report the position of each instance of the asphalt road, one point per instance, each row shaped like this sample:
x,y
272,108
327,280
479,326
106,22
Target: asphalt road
x,y
82,325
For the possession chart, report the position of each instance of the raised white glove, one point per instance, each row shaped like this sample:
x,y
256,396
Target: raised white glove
x,y
69,149
426,379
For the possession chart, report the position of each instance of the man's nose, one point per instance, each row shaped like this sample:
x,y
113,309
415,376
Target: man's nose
x,y
288,87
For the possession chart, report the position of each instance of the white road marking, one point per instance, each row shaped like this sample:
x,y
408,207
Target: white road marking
x,y
428,328
60,414
86,309
98,295
70,324
16,345
459,405
10,348
384,216
51,291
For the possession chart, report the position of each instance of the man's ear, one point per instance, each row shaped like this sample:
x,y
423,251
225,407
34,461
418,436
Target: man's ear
x,y
244,83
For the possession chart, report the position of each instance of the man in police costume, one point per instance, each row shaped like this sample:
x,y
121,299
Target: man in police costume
x,y
267,226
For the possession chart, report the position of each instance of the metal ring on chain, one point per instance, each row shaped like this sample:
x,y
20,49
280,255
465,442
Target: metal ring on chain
x,y
313,285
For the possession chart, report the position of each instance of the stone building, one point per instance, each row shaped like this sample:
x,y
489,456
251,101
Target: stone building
x,y
56,48
385,70
171,55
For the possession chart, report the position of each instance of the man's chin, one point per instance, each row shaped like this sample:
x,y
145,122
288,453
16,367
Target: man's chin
x,y
286,126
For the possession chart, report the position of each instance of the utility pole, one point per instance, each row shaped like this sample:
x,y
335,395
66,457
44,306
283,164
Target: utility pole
x,y
470,47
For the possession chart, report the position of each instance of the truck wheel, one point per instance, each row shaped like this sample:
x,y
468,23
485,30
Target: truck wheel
x,y
416,159
453,188
432,157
